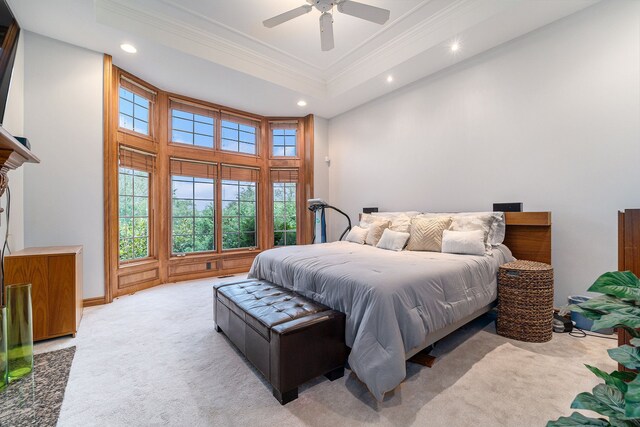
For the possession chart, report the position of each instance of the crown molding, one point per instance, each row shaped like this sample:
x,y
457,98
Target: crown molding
x,y
296,61
206,45
278,66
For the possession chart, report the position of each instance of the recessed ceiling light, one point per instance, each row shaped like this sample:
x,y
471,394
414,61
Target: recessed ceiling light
x,y
389,78
455,46
302,103
128,48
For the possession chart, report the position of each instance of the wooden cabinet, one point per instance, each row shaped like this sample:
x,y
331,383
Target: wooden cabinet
x,y
55,274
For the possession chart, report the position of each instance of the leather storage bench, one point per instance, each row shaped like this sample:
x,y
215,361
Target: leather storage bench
x,y
290,339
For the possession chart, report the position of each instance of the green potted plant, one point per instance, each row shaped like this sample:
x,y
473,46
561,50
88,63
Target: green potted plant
x,y
618,398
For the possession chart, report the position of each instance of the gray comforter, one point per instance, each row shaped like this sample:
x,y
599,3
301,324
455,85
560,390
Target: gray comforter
x,y
392,300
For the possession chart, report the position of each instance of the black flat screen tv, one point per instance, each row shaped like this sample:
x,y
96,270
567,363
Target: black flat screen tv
x,y
9,32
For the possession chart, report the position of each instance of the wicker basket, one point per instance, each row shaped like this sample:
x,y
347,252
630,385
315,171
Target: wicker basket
x,y
525,301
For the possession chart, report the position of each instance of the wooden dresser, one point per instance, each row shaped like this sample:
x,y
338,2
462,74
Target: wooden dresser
x,y
55,274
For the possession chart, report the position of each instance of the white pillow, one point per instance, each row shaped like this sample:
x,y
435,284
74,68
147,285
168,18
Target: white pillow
x,y
393,240
463,242
400,221
469,223
357,235
367,219
375,231
389,215
496,232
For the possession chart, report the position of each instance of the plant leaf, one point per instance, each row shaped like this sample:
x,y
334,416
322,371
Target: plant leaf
x,y
588,313
621,284
616,319
577,419
610,396
635,342
624,376
627,356
591,402
607,304
632,399
615,422
609,379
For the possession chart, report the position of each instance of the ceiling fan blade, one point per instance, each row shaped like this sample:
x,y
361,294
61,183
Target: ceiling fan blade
x,y
284,17
326,31
364,11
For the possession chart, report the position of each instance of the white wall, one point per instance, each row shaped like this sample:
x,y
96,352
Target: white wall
x,y
320,151
63,120
551,119
13,122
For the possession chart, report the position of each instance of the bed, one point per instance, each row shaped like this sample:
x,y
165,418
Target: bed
x,y
398,303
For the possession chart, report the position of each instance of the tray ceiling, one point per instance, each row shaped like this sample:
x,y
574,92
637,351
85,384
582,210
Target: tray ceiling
x,y
219,51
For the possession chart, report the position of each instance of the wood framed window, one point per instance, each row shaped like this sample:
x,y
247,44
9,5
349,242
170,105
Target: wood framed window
x,y
134,182
239,134
216,192
135,107
192,125
239,207
284,139
193,189
284,183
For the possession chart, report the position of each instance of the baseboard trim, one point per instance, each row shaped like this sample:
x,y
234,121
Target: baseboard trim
x,y
90,302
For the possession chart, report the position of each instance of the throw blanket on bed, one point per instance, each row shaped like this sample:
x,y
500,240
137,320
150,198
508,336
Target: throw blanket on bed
x,y
392,300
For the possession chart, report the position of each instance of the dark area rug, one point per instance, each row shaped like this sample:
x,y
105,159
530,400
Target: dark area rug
x,y
35,400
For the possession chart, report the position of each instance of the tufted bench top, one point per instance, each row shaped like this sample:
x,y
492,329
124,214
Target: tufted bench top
x,y
263,305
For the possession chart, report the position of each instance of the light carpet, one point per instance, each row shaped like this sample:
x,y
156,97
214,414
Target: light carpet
x,y
153,358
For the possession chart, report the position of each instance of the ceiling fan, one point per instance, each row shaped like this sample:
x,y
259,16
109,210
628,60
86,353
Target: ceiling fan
x,y
353,8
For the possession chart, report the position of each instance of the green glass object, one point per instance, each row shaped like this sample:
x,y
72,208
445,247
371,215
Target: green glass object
x,y
4,368
19,331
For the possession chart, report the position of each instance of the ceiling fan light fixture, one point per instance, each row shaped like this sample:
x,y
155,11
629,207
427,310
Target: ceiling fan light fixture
x,y
326,31
348,7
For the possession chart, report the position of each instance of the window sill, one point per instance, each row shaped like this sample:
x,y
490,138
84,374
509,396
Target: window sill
x,y
215,255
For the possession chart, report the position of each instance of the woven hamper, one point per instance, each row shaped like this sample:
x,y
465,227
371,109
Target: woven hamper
x,y
525,301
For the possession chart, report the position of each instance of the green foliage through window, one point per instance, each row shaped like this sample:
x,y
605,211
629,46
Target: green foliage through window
x,y
284,213
133,213
134,112
239,213
192,214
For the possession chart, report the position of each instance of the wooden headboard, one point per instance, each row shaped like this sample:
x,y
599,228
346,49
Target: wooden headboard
x,y
529,235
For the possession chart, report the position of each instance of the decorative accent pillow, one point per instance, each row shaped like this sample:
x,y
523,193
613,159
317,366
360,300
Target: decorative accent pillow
x,y
426,233
357,235
498,227
375,231
478,222
393,240
463,242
